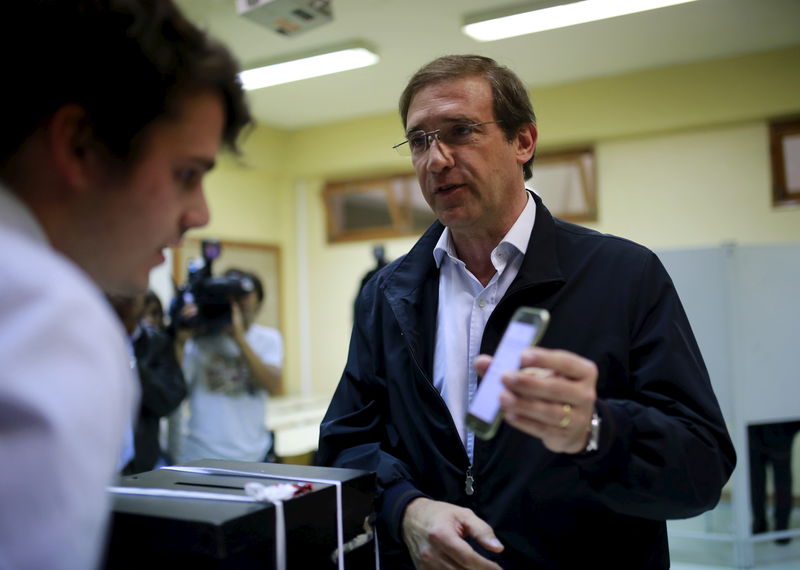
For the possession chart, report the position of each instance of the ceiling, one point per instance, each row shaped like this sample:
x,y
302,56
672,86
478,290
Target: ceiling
x,y
409,33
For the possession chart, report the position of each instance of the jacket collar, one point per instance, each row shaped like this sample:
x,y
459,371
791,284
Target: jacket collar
x,y
411,284
539,266
411,288
538,277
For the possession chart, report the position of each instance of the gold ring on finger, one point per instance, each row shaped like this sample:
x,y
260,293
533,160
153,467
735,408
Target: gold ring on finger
x,y
565,421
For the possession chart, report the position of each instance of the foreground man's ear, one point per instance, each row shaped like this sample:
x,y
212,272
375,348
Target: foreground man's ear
x,y
69,142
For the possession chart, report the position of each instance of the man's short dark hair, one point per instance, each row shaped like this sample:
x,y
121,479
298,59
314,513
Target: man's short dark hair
x,y
127,63
258,286
512,105
152,306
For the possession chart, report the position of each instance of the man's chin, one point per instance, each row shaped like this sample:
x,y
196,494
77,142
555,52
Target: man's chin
x,y
453,218
128,286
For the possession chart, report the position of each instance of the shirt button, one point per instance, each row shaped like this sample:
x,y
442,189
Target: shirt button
x,y
482,303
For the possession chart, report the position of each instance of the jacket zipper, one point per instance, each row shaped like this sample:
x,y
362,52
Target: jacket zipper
x,y
469,483
469,479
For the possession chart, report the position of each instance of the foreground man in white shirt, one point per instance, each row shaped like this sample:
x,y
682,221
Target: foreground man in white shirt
x,y
114,113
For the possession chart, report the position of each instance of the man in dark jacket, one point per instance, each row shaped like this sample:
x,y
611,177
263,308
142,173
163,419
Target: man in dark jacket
x,y
161,379
163,390
611,427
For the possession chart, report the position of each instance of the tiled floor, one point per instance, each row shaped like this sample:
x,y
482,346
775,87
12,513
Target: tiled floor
x,y
690,553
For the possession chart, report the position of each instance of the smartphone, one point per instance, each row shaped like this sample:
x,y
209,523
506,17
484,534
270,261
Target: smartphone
x,y
525,329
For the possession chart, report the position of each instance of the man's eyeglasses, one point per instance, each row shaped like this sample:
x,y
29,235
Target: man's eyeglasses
x,y
457,134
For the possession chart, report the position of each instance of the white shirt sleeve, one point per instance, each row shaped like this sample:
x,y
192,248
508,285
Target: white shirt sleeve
x,y
67,396
267,343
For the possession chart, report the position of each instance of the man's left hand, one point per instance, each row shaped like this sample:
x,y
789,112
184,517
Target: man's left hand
x,y
551,397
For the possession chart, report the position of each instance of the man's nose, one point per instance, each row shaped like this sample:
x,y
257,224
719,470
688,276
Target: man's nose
x,y
439,156
197,215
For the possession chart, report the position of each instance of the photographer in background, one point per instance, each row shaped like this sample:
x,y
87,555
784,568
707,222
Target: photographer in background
x,y
231,365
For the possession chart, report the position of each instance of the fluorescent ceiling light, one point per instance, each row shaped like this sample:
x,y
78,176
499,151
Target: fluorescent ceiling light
x,y
305,67
549,17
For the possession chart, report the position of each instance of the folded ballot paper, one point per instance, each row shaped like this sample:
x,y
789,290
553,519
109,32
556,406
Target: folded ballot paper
x,y
234,514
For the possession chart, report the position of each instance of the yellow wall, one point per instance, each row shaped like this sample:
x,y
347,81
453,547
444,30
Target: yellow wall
x,y
250,200
682,158
692,188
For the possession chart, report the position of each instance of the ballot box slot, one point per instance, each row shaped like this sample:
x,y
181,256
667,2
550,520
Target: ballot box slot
x,y
208,486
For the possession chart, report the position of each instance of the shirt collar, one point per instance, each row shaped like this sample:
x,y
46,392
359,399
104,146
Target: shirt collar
x,y
520,233
444,247
14,213
516,238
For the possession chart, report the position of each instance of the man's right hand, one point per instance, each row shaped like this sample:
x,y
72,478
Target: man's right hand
x,y
434,533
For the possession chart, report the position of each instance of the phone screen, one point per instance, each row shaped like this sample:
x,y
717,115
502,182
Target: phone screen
x,y
519,335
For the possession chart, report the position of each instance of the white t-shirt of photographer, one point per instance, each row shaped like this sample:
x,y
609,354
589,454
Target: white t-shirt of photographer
x,y
227,411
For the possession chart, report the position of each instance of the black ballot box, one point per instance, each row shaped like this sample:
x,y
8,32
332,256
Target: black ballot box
x,y
199,516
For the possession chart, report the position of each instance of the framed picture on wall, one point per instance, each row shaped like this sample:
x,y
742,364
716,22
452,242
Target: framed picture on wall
x,y
259,258
785,158
565,180
383,207
393,206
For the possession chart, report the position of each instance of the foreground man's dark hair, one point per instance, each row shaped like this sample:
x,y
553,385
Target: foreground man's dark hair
x,y
128,63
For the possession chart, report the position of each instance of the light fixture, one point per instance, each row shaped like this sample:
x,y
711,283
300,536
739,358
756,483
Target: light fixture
x,y
342,58
550,15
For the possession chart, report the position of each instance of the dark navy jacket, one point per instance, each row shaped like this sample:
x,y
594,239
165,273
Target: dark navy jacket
x,y
163,389
664,449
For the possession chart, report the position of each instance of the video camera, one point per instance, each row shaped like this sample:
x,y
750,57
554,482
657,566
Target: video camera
x,y
211,294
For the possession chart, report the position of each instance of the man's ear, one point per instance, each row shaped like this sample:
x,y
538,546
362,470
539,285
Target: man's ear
x,y
69,139
526,142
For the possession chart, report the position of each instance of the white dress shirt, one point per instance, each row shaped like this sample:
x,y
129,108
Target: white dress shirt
x,y
464,308
67,396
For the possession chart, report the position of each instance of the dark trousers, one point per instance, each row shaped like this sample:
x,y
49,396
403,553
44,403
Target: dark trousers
x,y
771,444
